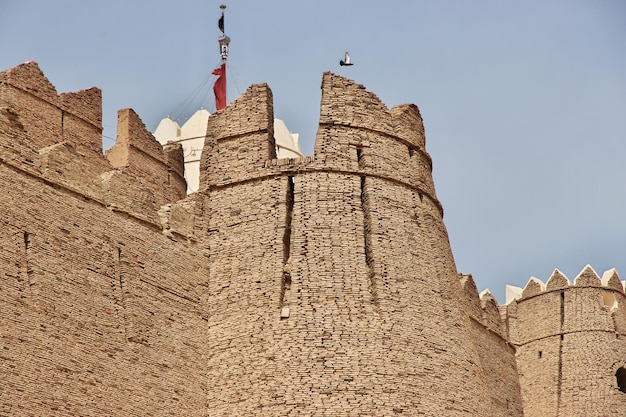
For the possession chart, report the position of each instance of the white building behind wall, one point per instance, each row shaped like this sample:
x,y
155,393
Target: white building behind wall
x,y
193,133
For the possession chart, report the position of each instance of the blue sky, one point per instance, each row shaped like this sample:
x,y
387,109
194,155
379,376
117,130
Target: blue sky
x,y
524,103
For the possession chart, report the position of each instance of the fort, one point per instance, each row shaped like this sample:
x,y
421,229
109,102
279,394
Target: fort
x,y
321,286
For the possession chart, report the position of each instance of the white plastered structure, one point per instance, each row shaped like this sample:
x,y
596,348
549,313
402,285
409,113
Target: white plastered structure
x,y
193,133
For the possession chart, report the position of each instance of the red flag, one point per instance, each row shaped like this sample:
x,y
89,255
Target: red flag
x,y
219,88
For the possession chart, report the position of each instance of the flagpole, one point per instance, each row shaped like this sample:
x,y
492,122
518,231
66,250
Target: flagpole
x,y
219,88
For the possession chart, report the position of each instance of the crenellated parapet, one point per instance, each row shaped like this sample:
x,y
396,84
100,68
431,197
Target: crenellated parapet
x,y
240,139
357,135
27,94
58,137
491,315
483,308
588,303
558,281
358,132
346,103
136,153
82,119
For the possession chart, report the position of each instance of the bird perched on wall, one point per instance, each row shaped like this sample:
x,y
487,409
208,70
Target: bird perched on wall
x,y
345,60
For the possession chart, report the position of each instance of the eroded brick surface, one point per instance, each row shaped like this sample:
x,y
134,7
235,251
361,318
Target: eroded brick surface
x,y
322,285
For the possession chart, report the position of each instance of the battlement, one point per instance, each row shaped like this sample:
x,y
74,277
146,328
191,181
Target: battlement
x,y
59,138
357,134
557,281
590,303
482,308
346,103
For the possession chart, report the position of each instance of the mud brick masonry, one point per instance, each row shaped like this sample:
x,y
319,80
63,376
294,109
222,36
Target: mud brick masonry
x,y
317,286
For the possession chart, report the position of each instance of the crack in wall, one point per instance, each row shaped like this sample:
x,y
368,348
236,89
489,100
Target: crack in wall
x,y
369,258
121,279
285,287
33,284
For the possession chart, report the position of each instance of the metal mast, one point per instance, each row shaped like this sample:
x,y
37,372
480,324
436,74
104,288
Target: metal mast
x,y
219,88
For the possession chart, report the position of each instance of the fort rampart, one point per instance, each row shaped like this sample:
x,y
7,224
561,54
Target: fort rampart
x,y
92,319
323,285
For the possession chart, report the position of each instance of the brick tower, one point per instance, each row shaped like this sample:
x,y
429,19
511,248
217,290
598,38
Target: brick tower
x,y
571,345
332,286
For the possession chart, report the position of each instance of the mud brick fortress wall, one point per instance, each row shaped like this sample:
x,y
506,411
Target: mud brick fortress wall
x,y
92,319
322,285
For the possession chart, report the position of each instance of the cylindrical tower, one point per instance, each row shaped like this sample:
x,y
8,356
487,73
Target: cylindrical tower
x,y
571,345
333,287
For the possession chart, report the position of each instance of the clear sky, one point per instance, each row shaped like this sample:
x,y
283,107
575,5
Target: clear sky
x,y
524,102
